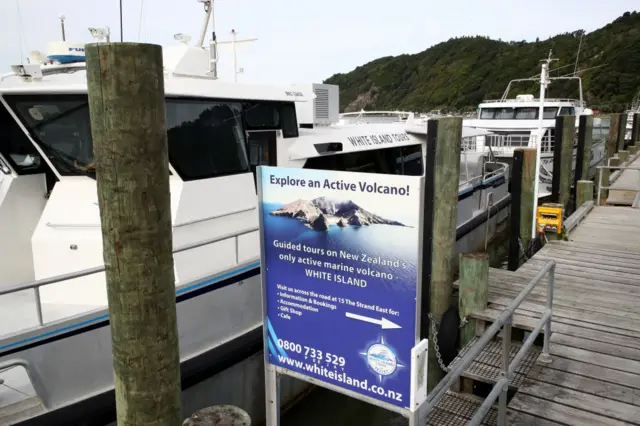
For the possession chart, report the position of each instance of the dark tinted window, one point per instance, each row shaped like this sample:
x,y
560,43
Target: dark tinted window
x,y
16,148
550,112
567,111
392,161
206,139
271,116
60,124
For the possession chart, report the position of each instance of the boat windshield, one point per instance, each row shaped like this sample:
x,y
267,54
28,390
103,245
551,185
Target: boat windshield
x,y
520,113
205,138
60,125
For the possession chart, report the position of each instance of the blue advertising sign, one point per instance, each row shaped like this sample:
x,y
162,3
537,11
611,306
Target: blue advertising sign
x,y
340,273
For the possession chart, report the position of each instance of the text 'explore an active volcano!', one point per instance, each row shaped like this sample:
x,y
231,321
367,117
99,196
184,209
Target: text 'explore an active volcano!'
x,y
340,257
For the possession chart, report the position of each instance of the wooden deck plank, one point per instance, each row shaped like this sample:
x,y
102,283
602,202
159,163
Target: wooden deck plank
x,y
564,414
590,385
594,375
577,399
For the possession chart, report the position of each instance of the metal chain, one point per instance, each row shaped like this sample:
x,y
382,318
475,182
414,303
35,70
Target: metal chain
x,y
434,331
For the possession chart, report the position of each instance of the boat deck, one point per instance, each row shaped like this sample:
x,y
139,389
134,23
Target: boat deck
x,y
17,396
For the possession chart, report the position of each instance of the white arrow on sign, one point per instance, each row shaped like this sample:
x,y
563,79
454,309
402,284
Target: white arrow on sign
x,y
385,323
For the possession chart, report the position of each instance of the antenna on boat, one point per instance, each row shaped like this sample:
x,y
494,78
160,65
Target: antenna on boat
x,y
233,43
62,17
213,45
544,82
575,68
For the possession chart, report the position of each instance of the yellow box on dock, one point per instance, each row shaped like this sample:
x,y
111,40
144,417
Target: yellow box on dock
x,y
550,218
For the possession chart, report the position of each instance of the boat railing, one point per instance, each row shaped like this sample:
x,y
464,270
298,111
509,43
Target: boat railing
x,y
519,141
504,321
575,102
38,284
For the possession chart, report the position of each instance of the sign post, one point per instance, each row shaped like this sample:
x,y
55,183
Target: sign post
x,y
341,285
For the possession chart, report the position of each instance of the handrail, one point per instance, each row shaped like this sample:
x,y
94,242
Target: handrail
x,y
611,187
190,222
35,285
504,320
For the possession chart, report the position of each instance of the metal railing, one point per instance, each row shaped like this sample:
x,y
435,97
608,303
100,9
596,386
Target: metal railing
x,y
36,285
503,321
600,188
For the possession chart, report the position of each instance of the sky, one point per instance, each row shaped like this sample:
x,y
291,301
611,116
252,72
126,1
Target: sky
x,y
300,41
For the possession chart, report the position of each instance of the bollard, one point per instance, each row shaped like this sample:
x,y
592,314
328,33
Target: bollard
x,y
219,415
624,156
473,296
584,193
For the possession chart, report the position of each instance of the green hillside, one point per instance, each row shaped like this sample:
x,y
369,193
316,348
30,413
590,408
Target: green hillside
x,y
461,72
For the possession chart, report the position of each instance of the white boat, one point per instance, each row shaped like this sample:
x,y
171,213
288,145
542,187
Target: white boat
x,y
55,344
514,123
635,109
366,117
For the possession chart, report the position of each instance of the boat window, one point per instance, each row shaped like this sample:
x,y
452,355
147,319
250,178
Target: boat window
x,y
550,112
206,139
498,113
486,113
271,116
527,113
405,160
60,125
16,148
567,111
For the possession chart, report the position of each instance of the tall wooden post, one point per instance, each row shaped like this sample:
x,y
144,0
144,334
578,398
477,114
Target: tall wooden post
x,y
442,174
562,156
612,137
635,130
622,130
126,103
583,154
584,193
521,216
604,193
473,296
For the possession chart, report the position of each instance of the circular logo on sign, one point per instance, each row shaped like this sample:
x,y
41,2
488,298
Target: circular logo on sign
x,y
381,359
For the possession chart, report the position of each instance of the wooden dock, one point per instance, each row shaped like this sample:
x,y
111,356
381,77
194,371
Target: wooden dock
x,y
628,179
593,378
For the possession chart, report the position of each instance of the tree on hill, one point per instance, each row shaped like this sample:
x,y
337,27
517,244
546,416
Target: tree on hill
x,y
462,71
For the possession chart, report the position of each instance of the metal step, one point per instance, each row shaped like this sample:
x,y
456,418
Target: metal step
x,y
487,366
456,410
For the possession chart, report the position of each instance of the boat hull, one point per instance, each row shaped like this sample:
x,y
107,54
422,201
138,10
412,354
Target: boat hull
x,y
219,323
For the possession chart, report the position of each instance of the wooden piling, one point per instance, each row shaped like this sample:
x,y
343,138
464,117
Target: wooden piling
x,y
219,415
127,109
615,161
439,239
604,193
612,137
584,193
562,159
624,156
585,142
521,215
622,130
473,296
635,130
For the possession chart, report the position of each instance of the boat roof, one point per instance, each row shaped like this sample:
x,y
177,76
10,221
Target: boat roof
x,y
531,102
186,74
